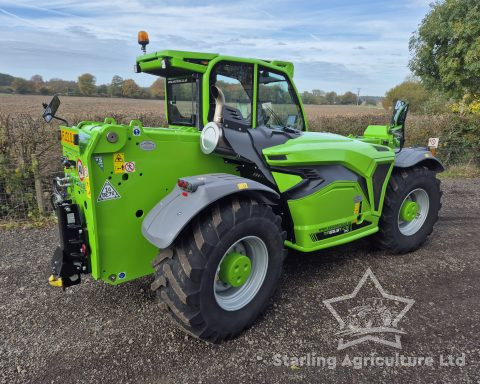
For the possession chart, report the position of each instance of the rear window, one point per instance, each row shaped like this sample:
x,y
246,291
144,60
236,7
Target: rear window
x,y
182,100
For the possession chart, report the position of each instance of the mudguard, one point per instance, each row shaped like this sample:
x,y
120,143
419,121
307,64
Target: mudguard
x,y
166,220
408,157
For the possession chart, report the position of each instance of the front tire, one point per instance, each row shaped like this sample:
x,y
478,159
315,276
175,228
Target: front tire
x,y
410,209
187,275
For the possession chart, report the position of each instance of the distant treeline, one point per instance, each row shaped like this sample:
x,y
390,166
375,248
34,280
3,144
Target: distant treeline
x,y
86,85
320,97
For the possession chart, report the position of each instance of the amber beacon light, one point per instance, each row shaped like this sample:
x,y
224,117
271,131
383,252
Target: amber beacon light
x,y
143,40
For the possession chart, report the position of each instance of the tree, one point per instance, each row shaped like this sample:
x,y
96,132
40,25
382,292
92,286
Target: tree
x,y
348,98
446,48
308,98
86,84
369,100
130,89
331,97
44,90
412,91
6,79
37,82
22,86
157,89
144,93
102,90
115,87
62,86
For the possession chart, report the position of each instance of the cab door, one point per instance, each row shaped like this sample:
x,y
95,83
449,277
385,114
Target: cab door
x,y
235,81
278,105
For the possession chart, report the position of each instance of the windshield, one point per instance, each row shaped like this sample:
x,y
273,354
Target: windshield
x,y
277,104
182,100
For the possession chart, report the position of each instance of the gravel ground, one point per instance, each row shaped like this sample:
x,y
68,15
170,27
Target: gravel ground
x,y
95,333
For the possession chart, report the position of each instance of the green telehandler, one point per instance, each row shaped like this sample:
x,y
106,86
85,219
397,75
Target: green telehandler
x,y
209,204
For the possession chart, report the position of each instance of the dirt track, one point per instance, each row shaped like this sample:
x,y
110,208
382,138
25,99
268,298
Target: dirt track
x,y
95,333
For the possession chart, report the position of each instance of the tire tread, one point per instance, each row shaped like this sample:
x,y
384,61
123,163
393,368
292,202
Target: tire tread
x,y
397,185
178,269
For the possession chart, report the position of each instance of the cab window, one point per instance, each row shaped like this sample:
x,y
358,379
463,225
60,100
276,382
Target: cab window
x,y
235,80
278,105
182,100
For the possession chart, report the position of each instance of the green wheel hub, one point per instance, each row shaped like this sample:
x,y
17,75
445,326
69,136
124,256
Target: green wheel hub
x,y
409,210
235,269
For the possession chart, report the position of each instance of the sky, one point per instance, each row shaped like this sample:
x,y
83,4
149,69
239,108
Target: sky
x,y
338,45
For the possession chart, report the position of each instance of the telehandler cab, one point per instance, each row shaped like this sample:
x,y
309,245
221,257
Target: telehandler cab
x,y
209,204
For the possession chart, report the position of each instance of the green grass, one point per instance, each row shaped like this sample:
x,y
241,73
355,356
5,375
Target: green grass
x,y
465,171
37,222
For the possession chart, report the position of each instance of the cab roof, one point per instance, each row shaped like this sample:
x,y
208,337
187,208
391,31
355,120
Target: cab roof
x,y
170,62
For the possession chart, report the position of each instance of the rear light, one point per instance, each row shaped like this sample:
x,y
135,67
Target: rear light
x,y
83,249
190,185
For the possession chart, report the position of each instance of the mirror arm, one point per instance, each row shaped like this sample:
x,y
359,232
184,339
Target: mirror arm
x,y
59,118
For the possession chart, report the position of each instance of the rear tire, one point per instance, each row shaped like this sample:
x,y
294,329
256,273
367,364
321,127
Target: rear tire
x,y
417,184
186,274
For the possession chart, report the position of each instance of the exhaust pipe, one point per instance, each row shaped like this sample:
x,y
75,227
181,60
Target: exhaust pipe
x,y
219,103
212,138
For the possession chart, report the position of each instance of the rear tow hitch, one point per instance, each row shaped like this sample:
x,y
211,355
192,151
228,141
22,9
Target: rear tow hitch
x,y
70,258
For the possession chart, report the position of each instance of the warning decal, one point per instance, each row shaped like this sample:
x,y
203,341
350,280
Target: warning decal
x,y
87,187
80,170
433,142
87,182
118,162
130,166
99,161
108,192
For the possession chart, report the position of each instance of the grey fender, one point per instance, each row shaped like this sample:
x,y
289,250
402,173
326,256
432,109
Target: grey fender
x,y
408,157
166,220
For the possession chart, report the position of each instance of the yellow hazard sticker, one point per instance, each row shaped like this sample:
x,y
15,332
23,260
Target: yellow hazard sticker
x,y
118,167
242,185
67,136
356,209
87,187
119,162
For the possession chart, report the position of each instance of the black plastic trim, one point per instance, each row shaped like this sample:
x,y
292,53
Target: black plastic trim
x,y
317,177
277,157
378,181
381,148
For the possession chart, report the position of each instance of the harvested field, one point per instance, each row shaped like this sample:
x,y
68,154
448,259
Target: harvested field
x,y
79,106
104,106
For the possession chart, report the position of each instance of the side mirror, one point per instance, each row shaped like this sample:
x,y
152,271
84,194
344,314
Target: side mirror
x,y
397,125
51,109
400,111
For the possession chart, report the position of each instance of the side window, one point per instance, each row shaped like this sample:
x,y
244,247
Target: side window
x,y
235,80
182,100
277,102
